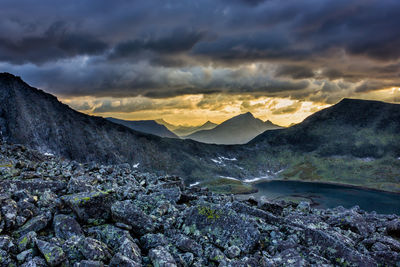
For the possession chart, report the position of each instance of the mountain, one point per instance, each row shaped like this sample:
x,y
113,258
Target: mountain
x,y
353,142
38,120
182,130
361,128
146,126
237,130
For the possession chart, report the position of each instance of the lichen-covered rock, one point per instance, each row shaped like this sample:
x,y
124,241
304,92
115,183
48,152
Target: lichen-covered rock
x,y
35,262
93,249
150,241
66,226
233,252
5,259
127,212
25,255
120,260
110,235
351,220
53,254
222,225
160,257
393,228
335,249
7,244
90,206
26,241
304,207
35,224
188,245
9,209
87,263
72,249
81,184
131,250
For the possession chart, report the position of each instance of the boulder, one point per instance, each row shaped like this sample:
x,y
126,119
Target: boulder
x,y
127,212
35,224
53,254
90,207
222,225
160,257
66,227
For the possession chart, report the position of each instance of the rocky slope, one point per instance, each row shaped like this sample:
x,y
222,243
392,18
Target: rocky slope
x,y
237,130
56,212
36,119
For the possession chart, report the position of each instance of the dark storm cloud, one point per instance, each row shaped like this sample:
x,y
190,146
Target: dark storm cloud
x,y
180,40
165,48
57,42
296,72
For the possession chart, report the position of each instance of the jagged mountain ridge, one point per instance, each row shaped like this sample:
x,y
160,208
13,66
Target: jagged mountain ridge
x,y
237,130
146,126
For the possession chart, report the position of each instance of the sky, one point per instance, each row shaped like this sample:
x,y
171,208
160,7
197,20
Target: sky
x,y
189,61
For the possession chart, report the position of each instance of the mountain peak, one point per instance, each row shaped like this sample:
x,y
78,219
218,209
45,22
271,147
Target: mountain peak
x,y
5,76
248,114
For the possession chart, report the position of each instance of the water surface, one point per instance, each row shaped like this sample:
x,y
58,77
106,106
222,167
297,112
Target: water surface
x,y
331,195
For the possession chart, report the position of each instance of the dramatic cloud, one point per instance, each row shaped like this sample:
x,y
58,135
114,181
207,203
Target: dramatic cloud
x,y
307,50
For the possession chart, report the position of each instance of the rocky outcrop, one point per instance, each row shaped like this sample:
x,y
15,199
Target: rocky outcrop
x,y
116,216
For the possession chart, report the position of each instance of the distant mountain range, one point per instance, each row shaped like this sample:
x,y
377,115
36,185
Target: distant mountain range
x,y
335,144
237,130
182,130
146,126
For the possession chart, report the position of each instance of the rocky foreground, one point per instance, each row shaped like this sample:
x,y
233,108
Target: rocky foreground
x,y
56,212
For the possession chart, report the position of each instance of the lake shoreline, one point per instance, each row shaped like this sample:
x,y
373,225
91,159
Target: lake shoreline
x,y
328,183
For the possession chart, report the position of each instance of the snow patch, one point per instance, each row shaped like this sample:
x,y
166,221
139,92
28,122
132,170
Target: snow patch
x,y
256,179
49,154
230,178
194,184
136,165
220,160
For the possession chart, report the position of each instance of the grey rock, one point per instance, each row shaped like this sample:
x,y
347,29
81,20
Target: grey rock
x,y
93,249
160,257
35,224
53,254
222,225
233,252
9,209
112,236
66,227
304,207
393,228
120,260
129,249
26,241
90,206
86,263
81,184
127,212
7,244
186,244
150,241
25,255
